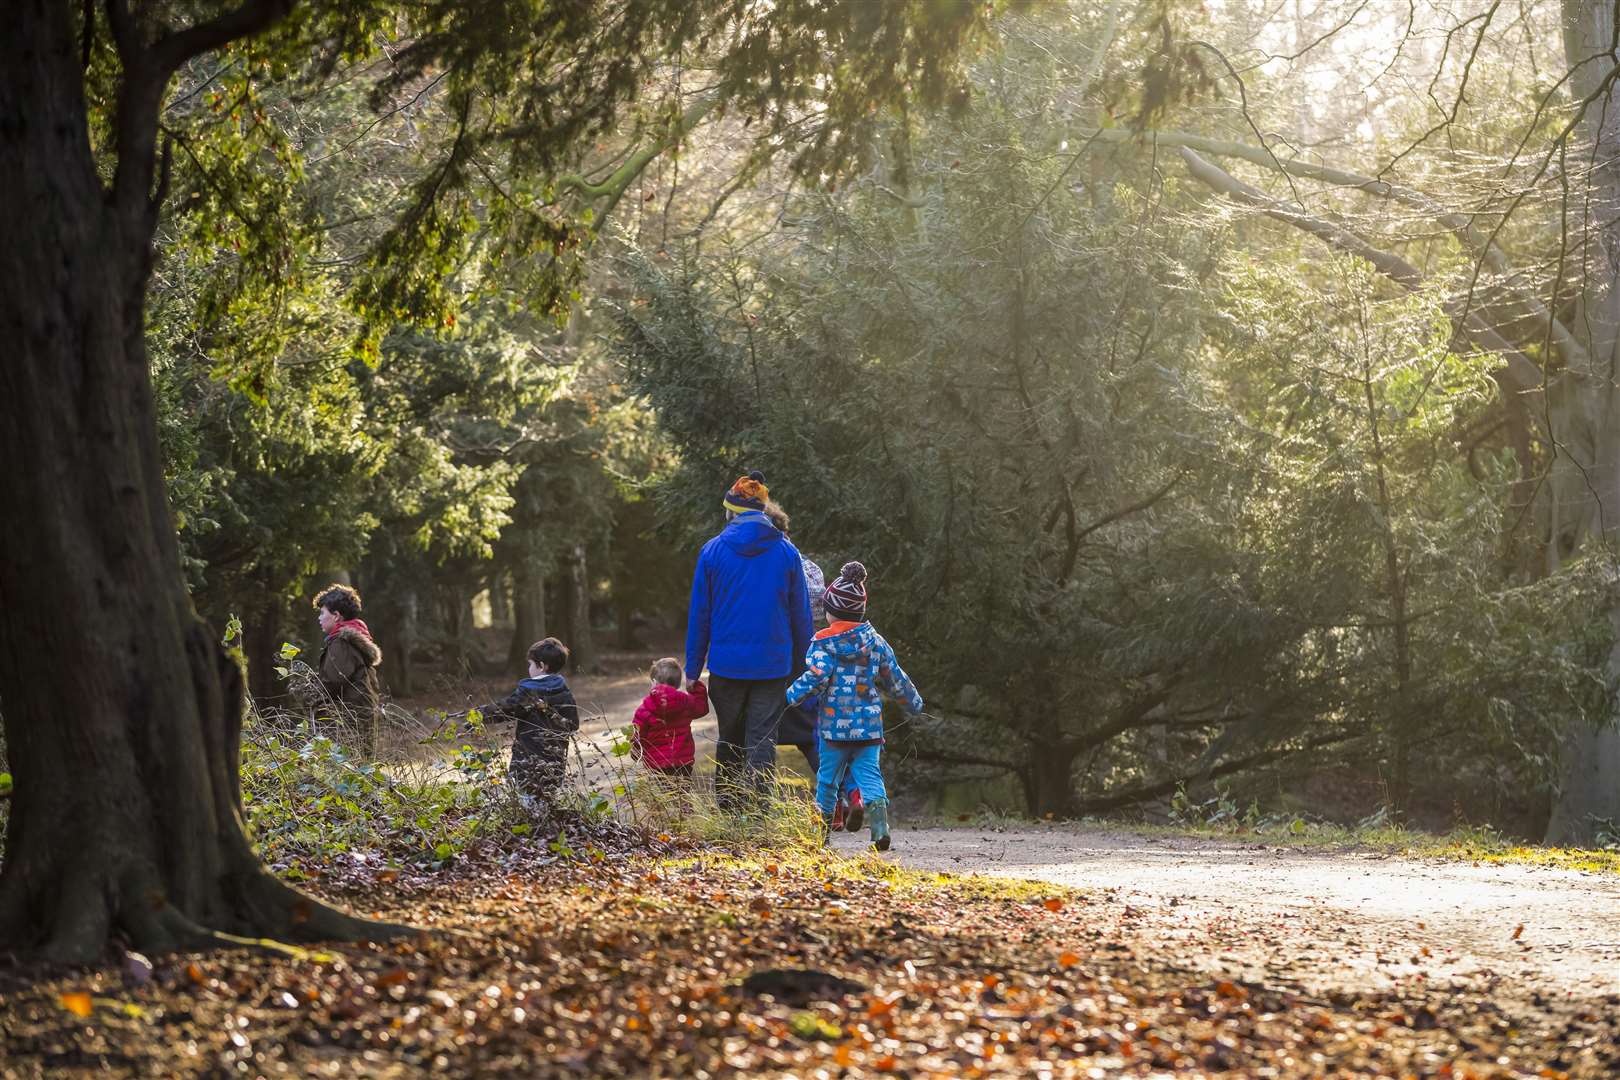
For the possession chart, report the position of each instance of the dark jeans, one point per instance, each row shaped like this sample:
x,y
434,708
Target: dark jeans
x,y
798,728
748,711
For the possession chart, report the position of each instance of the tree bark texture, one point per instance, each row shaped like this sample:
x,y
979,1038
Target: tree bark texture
x,y
1048,778
581,647
261,641
122,711
528,612
1586,474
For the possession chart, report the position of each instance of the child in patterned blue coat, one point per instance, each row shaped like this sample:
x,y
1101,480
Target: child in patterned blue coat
x,y
851,667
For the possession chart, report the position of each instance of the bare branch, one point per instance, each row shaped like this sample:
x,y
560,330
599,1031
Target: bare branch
x,y
1134,508
1144,792
1482,247
1525,375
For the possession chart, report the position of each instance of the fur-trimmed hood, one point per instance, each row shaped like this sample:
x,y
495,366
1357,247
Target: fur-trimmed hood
x,y
360,643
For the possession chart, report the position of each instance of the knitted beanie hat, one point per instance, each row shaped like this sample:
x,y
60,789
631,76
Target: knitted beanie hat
x,y
748,493
846,596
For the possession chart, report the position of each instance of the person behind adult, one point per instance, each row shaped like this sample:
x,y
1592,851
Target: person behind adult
x,y
798,727
350,695
749,619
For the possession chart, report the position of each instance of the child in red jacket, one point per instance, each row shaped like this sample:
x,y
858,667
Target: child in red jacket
x,y
662,740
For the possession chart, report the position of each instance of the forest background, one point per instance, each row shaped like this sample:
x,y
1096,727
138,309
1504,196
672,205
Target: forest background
x,y
1157,373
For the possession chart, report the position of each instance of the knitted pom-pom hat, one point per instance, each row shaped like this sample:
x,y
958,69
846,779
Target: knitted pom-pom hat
x,y
846,596
748,493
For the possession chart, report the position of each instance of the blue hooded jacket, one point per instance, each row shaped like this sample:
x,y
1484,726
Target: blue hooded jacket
x,y
750,611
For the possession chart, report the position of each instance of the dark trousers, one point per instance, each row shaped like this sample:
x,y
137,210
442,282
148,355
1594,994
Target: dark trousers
x,y
798,728
748,711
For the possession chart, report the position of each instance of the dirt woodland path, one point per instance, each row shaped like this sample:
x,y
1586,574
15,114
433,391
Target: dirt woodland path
x,y
1318,921
1315,920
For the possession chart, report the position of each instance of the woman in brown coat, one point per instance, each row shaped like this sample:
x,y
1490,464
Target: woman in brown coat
x,y
351,693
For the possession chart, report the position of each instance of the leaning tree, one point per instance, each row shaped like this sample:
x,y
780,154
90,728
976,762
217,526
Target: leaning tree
x,y
122,711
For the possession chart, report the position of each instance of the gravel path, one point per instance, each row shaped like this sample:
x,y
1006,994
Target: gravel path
x,y
1317,920
1320,920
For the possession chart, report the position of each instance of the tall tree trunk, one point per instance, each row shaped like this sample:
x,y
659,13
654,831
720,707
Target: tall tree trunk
x,y
581,646
624,619
122,713
456,612
1399,724
1048,778
528,611
261,631
406,634
1587,423
500,604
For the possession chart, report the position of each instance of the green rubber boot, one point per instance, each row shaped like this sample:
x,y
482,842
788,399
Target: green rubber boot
x,y
826,820
877,814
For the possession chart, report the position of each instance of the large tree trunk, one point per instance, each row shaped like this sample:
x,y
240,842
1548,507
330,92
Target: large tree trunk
x,y
407,632
1585,485
1048,778
582,647
500,599
122,713
261,634
528,611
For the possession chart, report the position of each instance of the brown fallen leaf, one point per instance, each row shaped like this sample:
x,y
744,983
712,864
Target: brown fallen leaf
x,y
1517,930
1052,903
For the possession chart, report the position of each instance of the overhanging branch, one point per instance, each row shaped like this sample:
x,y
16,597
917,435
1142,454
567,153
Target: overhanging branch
x,y
250,18
1523,374
1482,247
618,182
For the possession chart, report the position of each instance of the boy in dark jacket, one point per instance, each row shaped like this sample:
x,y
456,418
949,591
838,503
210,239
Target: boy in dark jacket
x,y
852,668
749,619
543,709
663,724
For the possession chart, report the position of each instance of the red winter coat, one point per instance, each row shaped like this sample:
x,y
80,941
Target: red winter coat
x,y
664,724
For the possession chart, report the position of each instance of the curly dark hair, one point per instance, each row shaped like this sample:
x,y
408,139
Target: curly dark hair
x,y
550,654
343,600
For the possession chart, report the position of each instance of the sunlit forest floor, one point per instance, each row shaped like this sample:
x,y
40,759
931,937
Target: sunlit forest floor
x,y
1317,918
692,962
986,947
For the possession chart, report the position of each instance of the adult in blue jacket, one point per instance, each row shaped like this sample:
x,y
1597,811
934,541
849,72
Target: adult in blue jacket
x,y
749,619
